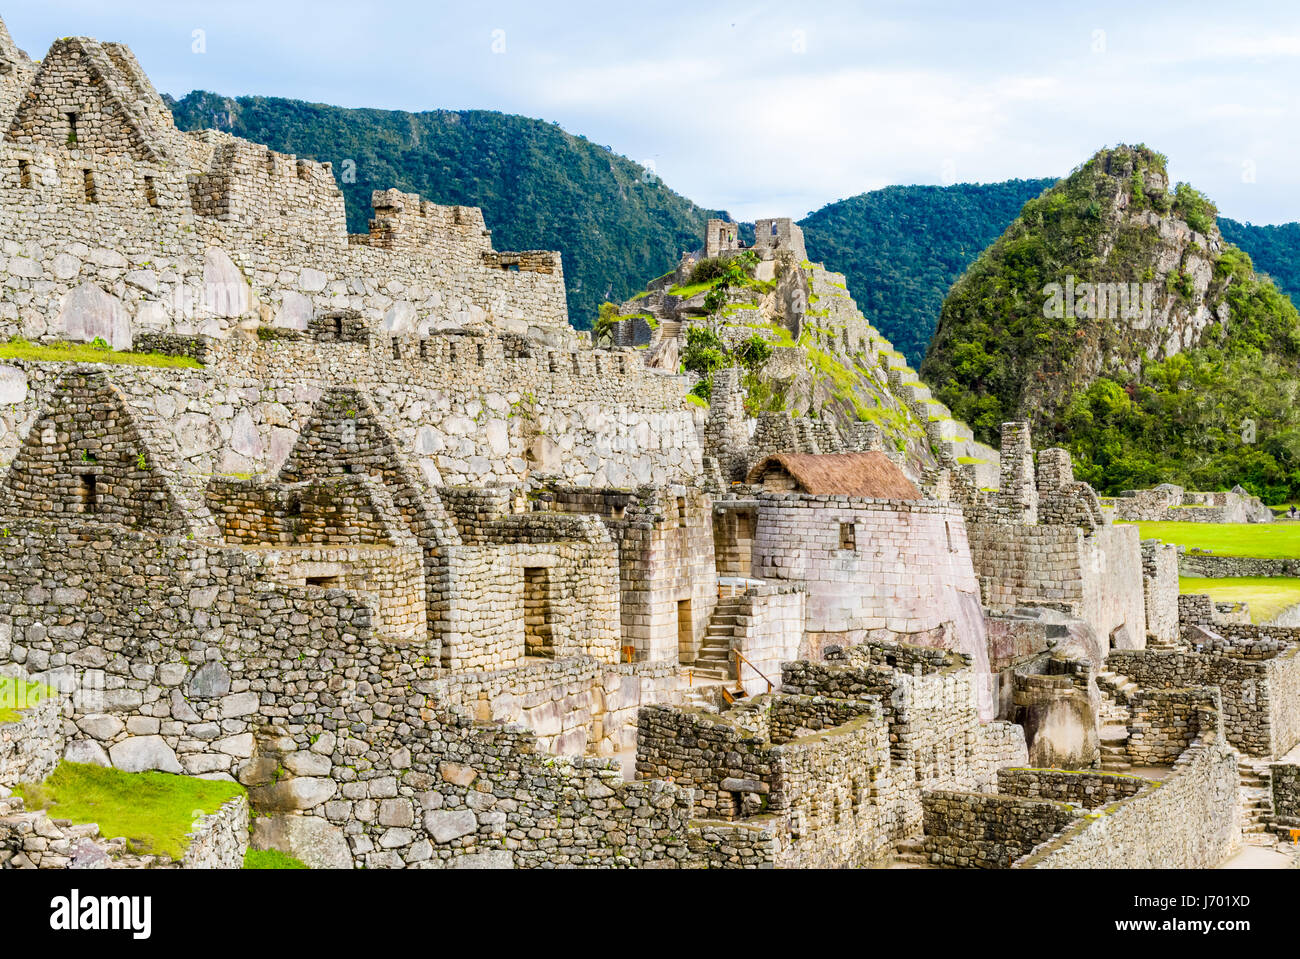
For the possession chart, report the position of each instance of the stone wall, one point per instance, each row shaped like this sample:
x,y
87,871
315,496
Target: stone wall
x,y
816,773
465,409
1190,820
1160,591
573,705
1082,788
32,840
1192,563
1286,792
908,571
1165,722
966,830
1097,576
770,633
1259,689
668,584
31,747
110,207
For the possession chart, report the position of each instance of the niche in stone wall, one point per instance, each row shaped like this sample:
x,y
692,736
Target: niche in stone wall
x,y
539,637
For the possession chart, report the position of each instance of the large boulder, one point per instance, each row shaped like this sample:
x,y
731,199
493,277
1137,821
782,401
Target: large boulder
x,y
225,291
317,842
143,753
89,314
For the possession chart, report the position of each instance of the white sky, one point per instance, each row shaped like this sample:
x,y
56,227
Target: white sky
x,y
767,108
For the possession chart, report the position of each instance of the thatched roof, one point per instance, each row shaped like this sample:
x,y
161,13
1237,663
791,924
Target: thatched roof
x,y
840,474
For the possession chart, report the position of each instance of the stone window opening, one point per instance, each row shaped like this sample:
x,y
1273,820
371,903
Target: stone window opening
x,y
681,511
150,192
947,526
24,175
397,349
88,186
294,508
72,128
773,229
539,637
482,354
848,537
424,349
89,493
338,327
325,582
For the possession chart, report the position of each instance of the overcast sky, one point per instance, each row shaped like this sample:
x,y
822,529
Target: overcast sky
x,y
776,108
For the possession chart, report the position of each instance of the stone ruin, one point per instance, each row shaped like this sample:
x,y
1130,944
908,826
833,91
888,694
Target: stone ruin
x,y
442,586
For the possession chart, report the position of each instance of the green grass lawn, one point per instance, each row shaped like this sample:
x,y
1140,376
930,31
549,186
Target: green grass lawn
x,y
153,811
20,349
1259,540
1267,596
16,695
270,859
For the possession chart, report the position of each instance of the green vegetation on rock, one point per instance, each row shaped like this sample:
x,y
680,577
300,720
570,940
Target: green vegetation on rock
x,y
1218,413
902,247
97,352
153,811
17,695
271,859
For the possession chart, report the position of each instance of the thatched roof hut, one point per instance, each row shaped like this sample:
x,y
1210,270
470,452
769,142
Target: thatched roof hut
x,y
871,475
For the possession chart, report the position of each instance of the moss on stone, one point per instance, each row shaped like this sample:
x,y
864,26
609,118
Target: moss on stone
x,y
153,811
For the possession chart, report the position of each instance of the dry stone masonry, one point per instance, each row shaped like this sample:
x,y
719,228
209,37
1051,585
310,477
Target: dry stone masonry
x,y
442,585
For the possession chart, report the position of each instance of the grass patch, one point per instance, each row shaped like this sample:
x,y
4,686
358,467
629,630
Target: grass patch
x,y
17,695
20,349
153,811
689,291
1268,596
271,859
697,401
1256,540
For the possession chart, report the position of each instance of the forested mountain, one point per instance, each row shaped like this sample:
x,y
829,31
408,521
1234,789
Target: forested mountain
x,y
539,187
1114,315
902,247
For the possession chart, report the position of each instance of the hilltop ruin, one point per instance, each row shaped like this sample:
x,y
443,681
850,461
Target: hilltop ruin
x,y
442,585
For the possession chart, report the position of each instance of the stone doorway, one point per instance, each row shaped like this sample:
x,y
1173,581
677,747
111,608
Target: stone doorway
x,y
539,637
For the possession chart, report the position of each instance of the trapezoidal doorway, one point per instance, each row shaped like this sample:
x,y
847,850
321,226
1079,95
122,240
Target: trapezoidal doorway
x,y
539,639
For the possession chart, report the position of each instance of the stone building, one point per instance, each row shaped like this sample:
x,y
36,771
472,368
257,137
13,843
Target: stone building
x,y
435,580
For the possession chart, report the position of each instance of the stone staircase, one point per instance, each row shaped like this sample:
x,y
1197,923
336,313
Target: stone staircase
x,y
1256,794
714,660
1115,691
910,854
1114,748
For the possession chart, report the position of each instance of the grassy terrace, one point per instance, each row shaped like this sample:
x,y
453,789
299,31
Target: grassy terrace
x,y
1258,540
20,349
16,695
153,811
1267,596
270,859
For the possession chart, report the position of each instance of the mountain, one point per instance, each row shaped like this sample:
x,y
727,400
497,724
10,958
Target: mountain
x,y
902,247
539,187
1113,315
1274,249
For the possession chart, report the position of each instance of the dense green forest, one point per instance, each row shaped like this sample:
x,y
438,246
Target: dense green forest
x,y
902,247
1275,250
539,187
1218,414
